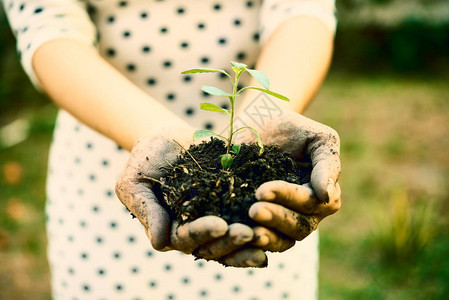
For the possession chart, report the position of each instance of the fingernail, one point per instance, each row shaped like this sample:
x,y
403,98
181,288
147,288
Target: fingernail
x,y
263,214
262,240
265,195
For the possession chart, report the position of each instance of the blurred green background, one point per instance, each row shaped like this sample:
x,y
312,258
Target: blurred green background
x,y
387,95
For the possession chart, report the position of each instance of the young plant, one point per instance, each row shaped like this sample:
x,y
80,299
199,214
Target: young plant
x,y
239,69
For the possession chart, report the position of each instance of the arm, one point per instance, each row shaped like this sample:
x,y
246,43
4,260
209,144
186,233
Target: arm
x,y
296,58
81,82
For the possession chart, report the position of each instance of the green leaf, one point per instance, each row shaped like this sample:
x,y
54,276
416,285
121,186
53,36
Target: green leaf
x,y
226,160
259,141
239,66
236,149
268,92
202,133
216,91
213,107
202,70
260,77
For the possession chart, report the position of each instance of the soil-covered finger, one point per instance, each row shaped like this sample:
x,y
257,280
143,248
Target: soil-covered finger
x,y
246,258
190,236
299,198
270,240
237,235
284,220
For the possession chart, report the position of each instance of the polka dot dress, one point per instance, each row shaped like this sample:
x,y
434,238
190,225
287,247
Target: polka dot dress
x,y
95,249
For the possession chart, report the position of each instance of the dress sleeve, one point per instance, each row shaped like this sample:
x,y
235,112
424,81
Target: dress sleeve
x,y
274,12
35,22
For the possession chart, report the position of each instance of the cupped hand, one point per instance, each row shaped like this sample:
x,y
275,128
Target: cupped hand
x,y
207,237
290,212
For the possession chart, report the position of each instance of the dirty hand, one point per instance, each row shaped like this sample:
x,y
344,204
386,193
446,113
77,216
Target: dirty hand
x,y
208,237
290,212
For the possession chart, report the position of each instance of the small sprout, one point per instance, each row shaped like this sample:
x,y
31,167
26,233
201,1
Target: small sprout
x,y
239,69
236,149
226,160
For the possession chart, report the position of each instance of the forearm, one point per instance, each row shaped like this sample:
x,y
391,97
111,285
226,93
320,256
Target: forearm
x,y
78,80
296,59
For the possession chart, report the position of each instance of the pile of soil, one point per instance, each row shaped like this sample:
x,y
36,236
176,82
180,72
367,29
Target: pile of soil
x,y
191,192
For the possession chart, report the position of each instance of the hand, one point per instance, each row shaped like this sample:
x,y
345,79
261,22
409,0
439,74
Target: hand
x,y
290,212
208,237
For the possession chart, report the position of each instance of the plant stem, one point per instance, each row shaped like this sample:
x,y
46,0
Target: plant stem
x,y
232,99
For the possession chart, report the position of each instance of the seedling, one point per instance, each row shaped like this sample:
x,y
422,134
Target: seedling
x,y
239,69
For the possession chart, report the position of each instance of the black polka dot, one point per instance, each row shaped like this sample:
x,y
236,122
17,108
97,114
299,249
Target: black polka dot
x,y
95,208
171,97
123,3
92,177
134,270
222,41
110,19
217,6
99,240
203,293
237,22
131,67
281,266
181,10
236,289
143,15
150,253
163,30
71,271
126,34
201,25
117,255
249,4
131,239
208,126
204,60
268,284
218,277
205,95
38,10
101,272
168,267
151,81
110,52
167,64
152,284
186,280
250,272
109,193
83,223
119,287
170,297
89,146
189,111
256,37
86,288
84,255
113,225
184,45
241,55
146,49
285,295
21,7
70,238
225,106
187,78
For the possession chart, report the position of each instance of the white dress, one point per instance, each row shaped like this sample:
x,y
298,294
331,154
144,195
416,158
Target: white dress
x,y
95,249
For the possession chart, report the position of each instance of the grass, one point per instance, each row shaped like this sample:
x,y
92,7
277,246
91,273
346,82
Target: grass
x,y
390,239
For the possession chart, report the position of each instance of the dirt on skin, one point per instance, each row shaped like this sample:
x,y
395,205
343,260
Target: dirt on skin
x,y
191,192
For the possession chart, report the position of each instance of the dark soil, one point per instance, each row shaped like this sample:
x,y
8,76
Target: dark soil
x,y
191,192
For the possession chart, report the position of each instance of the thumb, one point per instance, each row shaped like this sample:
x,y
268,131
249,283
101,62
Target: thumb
x,y
324,153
